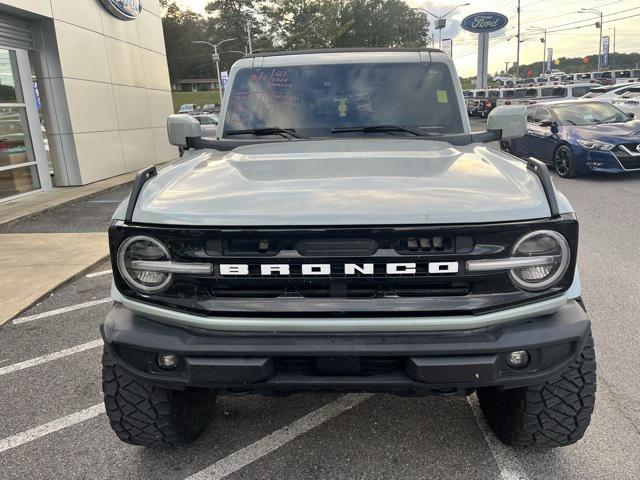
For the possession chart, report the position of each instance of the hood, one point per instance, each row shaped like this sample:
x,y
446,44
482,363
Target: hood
x,y
628,132
343,182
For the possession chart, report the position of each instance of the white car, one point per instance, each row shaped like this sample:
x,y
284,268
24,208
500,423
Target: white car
x,y
606,93
629,102
189,108
504,78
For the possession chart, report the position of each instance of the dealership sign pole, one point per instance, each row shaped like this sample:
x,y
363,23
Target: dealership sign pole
x,y
483,23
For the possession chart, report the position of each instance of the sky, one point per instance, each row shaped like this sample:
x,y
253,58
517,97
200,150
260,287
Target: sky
x,y
575,33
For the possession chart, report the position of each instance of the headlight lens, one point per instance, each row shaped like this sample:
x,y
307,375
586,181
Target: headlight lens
x,y
542,243
143,248
595,145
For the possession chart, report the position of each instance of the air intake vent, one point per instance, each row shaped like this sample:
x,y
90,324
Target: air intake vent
x,y
337,248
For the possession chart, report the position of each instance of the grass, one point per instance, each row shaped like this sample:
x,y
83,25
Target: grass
x,y
199,98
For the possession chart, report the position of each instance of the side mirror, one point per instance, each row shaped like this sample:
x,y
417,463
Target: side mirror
x,y
631,116
546,123
182,127
509,120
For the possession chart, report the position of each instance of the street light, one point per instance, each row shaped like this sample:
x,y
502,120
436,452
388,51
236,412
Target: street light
x,y
216,58
441,21
544,48
598,24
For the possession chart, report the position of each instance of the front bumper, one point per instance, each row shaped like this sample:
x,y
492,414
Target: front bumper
x,y
405,363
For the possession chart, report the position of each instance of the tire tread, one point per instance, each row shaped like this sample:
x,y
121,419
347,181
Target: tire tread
x,y
553,414
147,415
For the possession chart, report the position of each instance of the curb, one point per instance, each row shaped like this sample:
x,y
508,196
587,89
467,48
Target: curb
x,y
61,284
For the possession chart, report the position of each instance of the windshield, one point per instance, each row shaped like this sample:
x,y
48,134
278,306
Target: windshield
x,y
581,114
313,99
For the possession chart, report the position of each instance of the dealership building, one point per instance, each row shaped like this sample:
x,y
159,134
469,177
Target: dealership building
x,y
84,92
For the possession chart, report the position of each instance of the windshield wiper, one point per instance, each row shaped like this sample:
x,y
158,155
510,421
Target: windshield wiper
x,y
285,132
383,128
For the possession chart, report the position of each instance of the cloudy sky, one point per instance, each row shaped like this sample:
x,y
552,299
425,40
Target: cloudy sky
x,y
571,33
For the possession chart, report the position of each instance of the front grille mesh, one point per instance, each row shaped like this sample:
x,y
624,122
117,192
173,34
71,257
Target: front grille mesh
x,y
628,161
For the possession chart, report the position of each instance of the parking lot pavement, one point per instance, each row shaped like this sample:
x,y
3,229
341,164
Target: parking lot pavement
x,y
52,424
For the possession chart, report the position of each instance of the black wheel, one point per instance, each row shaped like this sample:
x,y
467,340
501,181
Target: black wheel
x,y
563,162
143,414
505,146
555,414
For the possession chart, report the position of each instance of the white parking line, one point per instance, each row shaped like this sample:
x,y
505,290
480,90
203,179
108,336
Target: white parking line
x,y
98,274
510,467
262,447
58,311
42,430
49,357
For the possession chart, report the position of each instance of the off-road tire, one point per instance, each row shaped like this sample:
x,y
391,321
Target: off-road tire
x,y
143,414
554,414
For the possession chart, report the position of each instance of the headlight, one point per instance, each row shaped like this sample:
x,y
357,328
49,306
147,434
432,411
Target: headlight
x,y
145,249
552,251
595,145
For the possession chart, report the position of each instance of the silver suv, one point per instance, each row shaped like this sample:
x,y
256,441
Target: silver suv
x,y
345,231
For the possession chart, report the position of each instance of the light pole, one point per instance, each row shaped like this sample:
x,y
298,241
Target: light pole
x,y
544,48
441,20
249,36
598,24
216,59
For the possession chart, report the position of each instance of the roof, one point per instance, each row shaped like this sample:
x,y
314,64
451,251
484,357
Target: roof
x,y
277,53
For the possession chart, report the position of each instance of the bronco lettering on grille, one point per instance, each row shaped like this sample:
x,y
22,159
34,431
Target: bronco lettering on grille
x,y
348,269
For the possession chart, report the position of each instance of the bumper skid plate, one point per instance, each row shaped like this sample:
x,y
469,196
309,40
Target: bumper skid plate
x,y
436,362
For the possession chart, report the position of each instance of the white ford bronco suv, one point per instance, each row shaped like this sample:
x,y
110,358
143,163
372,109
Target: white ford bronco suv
x,y
345,231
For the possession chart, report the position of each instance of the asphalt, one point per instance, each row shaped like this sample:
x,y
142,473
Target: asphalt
x,y
382,437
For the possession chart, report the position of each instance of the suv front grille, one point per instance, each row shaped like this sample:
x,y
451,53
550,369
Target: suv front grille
x,y
385,288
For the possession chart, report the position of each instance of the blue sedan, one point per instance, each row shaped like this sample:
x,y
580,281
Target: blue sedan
x,y
580,137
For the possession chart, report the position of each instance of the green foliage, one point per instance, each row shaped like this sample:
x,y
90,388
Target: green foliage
x,y
285,25
180,28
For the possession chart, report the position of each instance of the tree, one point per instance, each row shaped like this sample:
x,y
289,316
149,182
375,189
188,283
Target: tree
x,y
180,28
384,23
228,19
305,24
299,24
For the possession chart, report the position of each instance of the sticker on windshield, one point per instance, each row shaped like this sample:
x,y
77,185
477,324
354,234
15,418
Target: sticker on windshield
x,y
342,106
442,96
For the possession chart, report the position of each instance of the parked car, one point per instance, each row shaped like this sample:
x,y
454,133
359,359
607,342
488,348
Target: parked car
x,y
189,108
347,232
629,101
606,93
503,78
580,137
211,108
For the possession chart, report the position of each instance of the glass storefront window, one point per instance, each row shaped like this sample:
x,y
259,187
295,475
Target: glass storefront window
x,y
9,81
20,180
18,166
15,144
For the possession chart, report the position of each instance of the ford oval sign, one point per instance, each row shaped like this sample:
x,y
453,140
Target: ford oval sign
x,y
124,9
484,22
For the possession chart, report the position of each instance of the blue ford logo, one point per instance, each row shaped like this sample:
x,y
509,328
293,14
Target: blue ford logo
x,y
124,9
484,22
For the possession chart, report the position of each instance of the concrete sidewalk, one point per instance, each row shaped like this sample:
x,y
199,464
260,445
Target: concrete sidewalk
x,y
33,264
41,251
42,201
